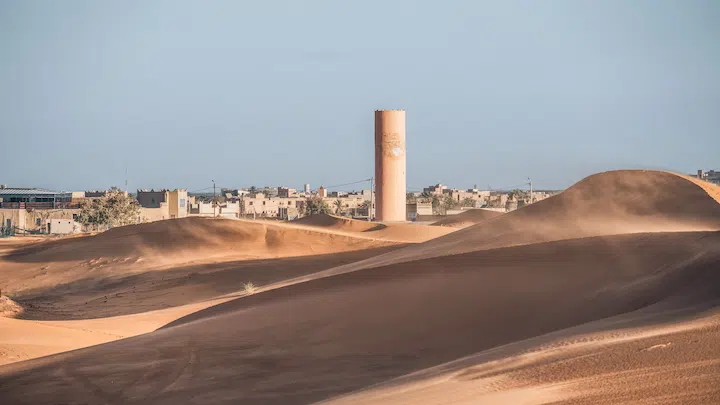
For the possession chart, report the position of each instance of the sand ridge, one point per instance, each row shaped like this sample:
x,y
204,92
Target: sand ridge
x,y
609,203
397,232
467,218
210,236
609,266
377,324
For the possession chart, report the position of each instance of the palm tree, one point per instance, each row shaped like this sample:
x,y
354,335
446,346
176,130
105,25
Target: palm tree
x,y
338,206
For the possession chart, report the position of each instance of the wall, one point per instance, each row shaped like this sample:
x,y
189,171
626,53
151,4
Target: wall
x,y
63,226
26,220
15,216
151,199
154,214
229,209
201,209
178,203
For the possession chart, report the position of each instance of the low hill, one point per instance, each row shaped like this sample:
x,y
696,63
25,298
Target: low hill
x,y
192,236
331,336
610,203
467,218
394,232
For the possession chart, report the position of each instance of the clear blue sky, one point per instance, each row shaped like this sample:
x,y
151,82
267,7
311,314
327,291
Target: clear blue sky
x,y
283,92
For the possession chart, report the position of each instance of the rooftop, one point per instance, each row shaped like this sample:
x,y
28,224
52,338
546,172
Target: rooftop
x,y
27,191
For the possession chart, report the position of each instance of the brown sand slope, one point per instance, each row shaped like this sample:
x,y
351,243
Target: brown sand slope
x,y
24,339
168,263
114,303
188,236
334,335
61,293
610,203
646,357
335,222
467,218
395,232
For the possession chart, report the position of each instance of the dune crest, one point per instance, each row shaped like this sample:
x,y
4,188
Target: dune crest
x,y
609,203
467,218
514,300
196,236
396,232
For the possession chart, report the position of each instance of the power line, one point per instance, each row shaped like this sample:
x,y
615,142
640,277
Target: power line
x,y
508,187
348,184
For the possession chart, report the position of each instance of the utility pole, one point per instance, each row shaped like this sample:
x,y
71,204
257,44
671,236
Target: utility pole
x,y
530,182
214,200
371,210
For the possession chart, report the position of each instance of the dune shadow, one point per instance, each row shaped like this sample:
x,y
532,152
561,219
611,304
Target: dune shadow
x,y
106,294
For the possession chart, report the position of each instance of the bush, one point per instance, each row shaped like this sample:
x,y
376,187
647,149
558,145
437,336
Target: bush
x,y
249,288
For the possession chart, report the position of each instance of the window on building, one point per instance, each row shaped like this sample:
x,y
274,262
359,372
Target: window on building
x,y
182,203
37,221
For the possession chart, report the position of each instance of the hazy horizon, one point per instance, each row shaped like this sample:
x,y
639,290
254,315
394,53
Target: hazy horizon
x,y
283,93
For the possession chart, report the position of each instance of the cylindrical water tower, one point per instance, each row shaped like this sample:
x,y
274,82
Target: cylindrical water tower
x,y
390,183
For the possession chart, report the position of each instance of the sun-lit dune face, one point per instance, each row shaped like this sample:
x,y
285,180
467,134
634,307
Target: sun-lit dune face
x,y
467,218
396,232
335,335
184,238
614,280
610,203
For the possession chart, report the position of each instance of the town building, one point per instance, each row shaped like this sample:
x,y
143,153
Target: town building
x,y
437,189
35,198
711,176
33,210
285,192
322,192
156,205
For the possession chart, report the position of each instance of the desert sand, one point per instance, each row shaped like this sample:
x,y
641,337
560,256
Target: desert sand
x,y
467,218
607,293
393,232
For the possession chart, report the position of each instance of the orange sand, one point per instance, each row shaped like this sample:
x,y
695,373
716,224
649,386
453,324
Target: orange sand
x,y
605,294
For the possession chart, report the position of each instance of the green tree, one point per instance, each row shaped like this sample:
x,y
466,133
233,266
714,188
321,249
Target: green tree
x,y
468,202
364,208
518,194
441,204
316,205
410,198
301,206
115,208
338,206
450,202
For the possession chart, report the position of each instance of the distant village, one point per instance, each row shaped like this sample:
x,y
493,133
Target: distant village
x,y
40,211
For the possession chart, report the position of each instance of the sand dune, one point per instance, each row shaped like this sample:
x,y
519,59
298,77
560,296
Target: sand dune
x,y
610,203
122,255
60,293
23,339
335,222
186,236
606,293
395,232
467,218
108,307
331,336
604,362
